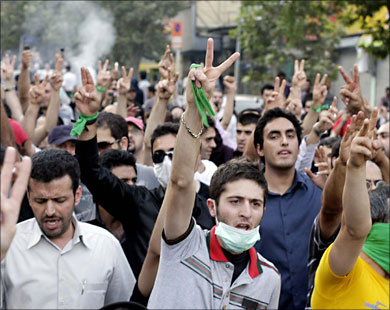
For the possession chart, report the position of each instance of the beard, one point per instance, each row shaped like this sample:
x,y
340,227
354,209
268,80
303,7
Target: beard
x,y
63,225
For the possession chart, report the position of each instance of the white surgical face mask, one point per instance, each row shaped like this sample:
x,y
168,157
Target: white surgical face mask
x,y
235,239
163,171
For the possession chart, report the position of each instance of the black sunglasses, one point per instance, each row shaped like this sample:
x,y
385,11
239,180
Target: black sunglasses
x,y
105,145
158,156
377,183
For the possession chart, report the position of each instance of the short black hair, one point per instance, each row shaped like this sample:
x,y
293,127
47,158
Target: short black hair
x,y
266,86
164,129
116,123
152,89
379,205
211,123
336,149
329,141
52,164
269,116
114,158
234,170
142,74
247,117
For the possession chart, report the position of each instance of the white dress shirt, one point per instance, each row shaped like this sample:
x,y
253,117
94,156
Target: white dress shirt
x,y
90,272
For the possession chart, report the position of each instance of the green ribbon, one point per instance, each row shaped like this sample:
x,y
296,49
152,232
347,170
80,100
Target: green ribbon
x,y
321,108
100,89
201,100
80,124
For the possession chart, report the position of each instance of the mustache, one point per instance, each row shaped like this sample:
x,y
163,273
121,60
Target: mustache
x,y
53,217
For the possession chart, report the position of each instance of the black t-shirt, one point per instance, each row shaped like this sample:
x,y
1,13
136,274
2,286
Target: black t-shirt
x,y
239,261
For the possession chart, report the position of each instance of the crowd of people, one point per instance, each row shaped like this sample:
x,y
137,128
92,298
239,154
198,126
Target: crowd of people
x,y
118,195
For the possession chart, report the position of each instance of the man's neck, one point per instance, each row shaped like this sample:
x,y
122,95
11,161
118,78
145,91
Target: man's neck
x,y
374,265
139,155
279,180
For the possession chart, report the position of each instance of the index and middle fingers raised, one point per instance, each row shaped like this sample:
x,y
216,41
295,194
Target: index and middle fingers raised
x,y
323,80
86,77
210,56
20,184
299,67
124,74
104,66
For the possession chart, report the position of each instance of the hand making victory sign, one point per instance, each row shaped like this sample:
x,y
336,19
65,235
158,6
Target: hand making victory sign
x,y
351,93
124,82
10,204
207,77
166,63
86,97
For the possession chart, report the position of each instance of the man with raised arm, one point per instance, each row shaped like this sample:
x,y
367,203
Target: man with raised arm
x,y
354,270
215,269
55,261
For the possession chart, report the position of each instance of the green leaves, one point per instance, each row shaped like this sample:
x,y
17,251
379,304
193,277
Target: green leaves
x,y
275,33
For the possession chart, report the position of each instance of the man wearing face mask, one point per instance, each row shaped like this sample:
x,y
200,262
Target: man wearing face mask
x,y
135,206
219,268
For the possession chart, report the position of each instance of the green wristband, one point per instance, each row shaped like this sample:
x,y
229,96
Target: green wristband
x,y
321,108
201,100
100,89
80,124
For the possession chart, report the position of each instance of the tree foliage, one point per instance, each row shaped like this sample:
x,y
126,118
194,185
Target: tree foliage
x,y
275,33
12,15
139,26
362,12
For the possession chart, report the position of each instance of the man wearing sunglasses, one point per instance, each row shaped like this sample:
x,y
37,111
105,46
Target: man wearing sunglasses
x,y
135,206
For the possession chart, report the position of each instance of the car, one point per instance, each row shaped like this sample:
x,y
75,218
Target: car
x,y
243,102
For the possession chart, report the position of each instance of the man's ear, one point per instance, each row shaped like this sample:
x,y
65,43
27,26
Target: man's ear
x,y
210,205
124,143
259,151
77,196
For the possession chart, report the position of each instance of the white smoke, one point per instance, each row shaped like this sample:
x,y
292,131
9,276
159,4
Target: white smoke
x,y
84,29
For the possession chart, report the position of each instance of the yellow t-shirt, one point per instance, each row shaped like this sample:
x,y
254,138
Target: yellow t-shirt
x,y
362,288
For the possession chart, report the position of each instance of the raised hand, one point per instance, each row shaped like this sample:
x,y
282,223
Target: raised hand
x,y
57,78
350,93
321,162
10,204
7,68
165,88
86,97
299,77
319,90
37,92
133,110
26,59
207,76
104,76
277,96
352,130
230,84
363,147
166,63
328,117
294,104
124,83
